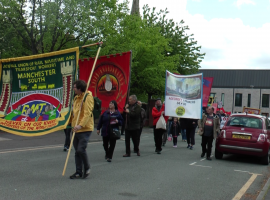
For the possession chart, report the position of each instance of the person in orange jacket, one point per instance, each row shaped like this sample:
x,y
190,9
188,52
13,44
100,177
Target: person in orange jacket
x,y
157,111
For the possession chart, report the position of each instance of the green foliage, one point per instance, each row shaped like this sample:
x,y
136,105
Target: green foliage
x,y
157,43
40,26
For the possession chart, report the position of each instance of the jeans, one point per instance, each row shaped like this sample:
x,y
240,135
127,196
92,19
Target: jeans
x,y
169,127
109,145
80,144
134,134
207,141
183,133
67,140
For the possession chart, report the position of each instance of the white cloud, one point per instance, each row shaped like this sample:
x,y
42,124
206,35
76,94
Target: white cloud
x,y
239,3
228,43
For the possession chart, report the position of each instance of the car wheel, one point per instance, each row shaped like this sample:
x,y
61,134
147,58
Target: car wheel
x,y
266,159
218,154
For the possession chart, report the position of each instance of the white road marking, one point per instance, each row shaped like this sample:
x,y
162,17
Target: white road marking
x,y
193,163
246,172
202,166
35,148
4,139
202,159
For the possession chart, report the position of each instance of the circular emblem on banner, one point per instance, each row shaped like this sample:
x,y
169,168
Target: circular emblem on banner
x,y
108,81
180,111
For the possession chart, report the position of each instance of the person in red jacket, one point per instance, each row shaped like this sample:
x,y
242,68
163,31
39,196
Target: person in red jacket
x,y
157,111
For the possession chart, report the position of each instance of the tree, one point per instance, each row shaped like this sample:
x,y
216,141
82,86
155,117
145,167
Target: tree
x,y
149,62
180,42
50,25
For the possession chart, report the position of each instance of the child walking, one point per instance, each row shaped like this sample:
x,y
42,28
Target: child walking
x,y
175,130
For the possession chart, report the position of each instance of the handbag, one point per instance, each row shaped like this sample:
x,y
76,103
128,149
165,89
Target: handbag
x,y
161,123
170,137
115,133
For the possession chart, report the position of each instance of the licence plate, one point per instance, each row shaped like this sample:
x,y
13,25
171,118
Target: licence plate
x,y
241,137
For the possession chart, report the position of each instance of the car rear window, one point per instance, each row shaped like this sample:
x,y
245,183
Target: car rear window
x,y
245,122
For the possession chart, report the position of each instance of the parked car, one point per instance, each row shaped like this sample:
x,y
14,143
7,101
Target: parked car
x,y
245,134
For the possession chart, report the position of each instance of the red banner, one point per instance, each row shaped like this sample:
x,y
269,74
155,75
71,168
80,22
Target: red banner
x,y
207,85
110,80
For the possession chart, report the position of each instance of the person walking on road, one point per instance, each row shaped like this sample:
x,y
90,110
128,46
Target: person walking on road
x,y
111,118
142,121
183,129
191,125
133,116
157,111
83,129
175,131
210,126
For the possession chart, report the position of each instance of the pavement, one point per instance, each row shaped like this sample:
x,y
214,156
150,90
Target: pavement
x,y
31,168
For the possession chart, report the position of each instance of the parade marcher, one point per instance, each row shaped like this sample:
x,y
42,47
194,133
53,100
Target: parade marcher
x,y
111,118
143,118
210,126
132,129
67,140
123,123
157,111
183,129
83,129
191,125
175,130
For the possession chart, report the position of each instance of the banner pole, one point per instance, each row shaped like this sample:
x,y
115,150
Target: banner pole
x,y
88,83
89,45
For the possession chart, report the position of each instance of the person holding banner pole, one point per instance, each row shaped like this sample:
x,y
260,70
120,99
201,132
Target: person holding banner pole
x,y
157,111
84,128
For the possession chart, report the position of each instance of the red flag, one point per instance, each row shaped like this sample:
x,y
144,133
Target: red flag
x,y
110,80
207,85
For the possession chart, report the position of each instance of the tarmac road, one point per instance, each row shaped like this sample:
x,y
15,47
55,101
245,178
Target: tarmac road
x,y
31,168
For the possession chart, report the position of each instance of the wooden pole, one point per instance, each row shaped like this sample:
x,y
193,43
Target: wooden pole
x,y
89,45
88,83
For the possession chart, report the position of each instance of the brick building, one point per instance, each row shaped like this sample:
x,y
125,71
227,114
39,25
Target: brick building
x,y
238,88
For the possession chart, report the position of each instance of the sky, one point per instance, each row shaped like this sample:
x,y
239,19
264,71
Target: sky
x,y
234,34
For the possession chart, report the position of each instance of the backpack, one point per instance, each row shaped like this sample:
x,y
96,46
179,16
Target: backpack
x,y
97,106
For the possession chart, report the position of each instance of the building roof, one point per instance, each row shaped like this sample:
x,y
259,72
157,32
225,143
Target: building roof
x,y
238,78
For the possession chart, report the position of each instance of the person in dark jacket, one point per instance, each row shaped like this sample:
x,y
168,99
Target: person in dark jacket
x,y
133,124
111,118
175,130
191,125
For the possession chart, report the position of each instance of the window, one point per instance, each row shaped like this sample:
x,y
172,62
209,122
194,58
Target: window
x,y
238,99
265,100
249,100
245,122
212,95
222,98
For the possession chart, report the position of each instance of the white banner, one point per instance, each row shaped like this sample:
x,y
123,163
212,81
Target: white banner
x,y
223,121
183,95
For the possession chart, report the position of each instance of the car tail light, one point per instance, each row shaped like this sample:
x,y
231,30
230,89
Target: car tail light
x,y
223,134
261,138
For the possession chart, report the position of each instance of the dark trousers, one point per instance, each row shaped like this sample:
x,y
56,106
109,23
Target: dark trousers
x,y
164,137
158,133
139,138
207,141
134,134
174,140
80,144
109,145
190,132
67,140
